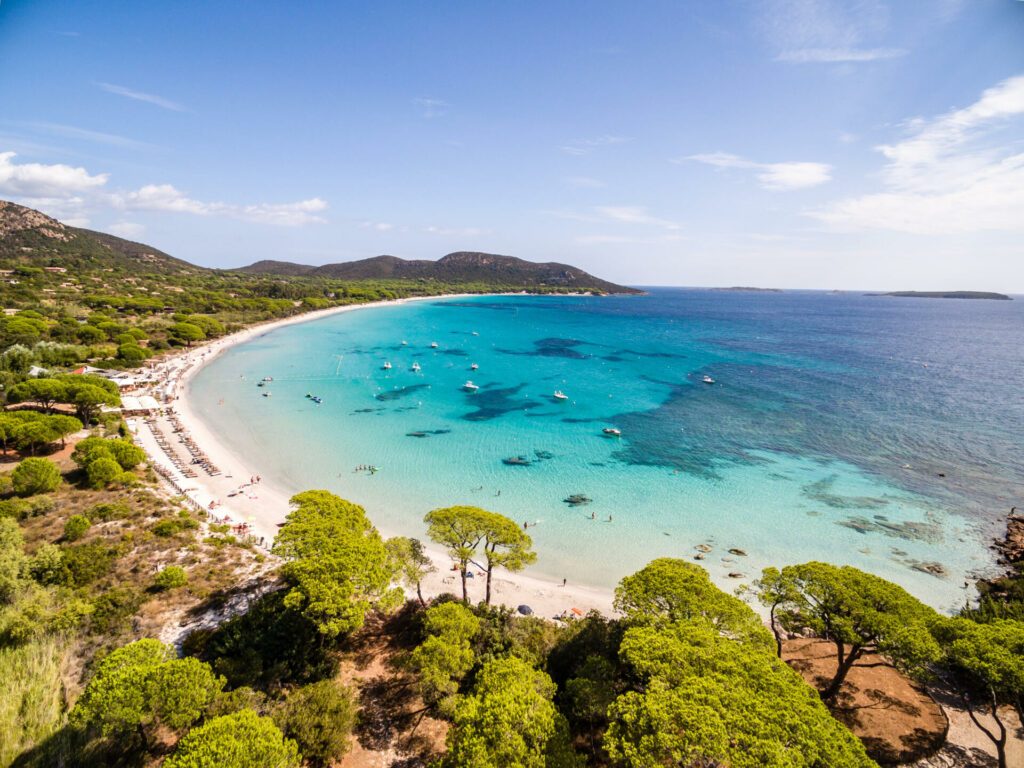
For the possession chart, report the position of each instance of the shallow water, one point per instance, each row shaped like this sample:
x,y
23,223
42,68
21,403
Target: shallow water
x,y
824,436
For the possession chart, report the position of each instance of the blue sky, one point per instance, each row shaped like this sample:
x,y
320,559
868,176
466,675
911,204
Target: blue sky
x,y
788,143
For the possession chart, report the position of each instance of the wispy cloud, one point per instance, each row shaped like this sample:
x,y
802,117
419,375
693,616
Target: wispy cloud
x,y
84,134
69,192
827,31
586,146
431,107
377,226
633,214
958,172
602,239
455,231
167,198
840,55
149,98
777,177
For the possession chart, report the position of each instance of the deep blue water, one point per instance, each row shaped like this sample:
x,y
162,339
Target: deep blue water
x,y
884,432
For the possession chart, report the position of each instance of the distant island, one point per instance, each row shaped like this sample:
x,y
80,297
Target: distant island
x,y
946,295
746,288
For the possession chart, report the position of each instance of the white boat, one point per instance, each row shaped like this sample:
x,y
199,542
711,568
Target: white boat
x,y
405,343
387,365
475,333
612,431
560,395
469,386
267,394
707,379
433,345
267,378
416,367
473,367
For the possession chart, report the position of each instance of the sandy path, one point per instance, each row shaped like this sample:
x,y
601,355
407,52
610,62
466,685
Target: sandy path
x,y
263,506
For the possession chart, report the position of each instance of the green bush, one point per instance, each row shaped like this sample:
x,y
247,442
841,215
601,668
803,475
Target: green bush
x,y
75,527
18,509
105,512
170,526
34,476
320,717
102,472
88,562
113,610
171,577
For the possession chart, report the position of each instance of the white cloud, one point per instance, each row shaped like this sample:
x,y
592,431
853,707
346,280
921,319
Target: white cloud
x,y
35,180
777,177
127,229
633,214
432,107
65,192
149,98
377,226
954,173
840,55
586,146
165,197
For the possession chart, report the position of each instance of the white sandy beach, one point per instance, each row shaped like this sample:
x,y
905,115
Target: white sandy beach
x,y
262,506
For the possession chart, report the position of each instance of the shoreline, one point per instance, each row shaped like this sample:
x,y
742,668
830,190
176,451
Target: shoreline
x,y
262,505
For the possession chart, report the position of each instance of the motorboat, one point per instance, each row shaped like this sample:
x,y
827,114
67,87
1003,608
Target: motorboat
x,y
416,367
469,386
387,365
267,378
560,395
707,379
261,384
433,345
316,399
405,343
473,367
612,432
267,394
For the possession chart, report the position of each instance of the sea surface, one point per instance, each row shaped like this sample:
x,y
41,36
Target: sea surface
x,y
885,433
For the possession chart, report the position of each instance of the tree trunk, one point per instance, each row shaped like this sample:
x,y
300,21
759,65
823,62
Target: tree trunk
x,y
998,741
462,572
419,594
842,669
490,567
775,631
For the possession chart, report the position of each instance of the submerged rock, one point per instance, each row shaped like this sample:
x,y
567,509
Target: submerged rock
x,y
703,547
516,461
738,552
577,499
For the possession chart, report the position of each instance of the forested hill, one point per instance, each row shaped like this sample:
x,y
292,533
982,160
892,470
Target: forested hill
x,y
455,268
32,239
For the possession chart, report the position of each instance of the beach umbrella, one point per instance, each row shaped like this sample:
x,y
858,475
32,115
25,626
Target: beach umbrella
x,y
525,610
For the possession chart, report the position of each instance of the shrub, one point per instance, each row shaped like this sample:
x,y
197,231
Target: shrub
x,y
171,577
320,718
105,512
75,527
88,562
103,472
47,565
18,509
113,609
34,476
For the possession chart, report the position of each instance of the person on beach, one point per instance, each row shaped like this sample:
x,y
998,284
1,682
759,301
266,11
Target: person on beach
x,y
564,582
609,518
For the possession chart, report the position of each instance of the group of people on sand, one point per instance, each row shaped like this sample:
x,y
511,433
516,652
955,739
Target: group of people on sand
x,y
593,516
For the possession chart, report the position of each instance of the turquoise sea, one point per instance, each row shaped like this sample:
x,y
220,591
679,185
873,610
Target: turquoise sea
x,y
882,432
